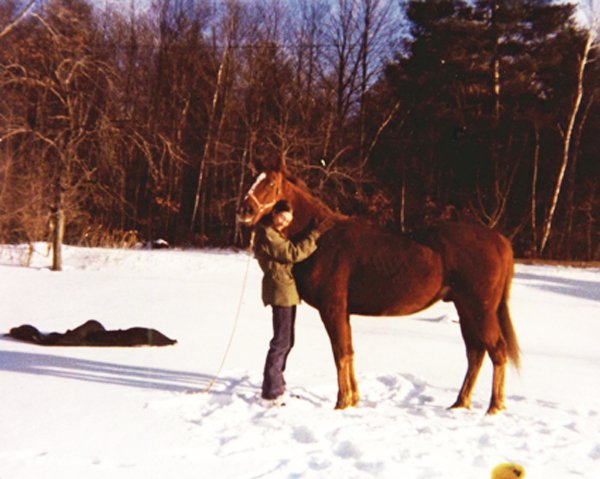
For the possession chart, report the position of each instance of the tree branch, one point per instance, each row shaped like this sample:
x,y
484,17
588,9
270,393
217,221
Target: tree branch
x,y
6,30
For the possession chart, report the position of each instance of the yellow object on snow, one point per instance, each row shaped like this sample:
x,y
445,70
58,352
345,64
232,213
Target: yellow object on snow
x,y
508,470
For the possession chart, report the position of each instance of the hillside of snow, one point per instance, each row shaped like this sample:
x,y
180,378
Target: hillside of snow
x,y
150,412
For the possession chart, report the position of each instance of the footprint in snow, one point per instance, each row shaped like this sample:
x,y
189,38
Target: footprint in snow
x,y
347,450
303,435
595,453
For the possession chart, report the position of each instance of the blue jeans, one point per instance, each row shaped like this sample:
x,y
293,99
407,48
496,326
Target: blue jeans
x,y
284,319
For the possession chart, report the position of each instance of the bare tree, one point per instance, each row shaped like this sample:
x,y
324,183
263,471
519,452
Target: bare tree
x,y
67,89
214,123
378,22
590,41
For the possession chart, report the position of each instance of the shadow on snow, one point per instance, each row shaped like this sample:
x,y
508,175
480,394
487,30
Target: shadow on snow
x,y
116,374
578,288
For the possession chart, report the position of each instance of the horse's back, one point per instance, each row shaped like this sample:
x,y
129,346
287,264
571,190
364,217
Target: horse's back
x,y
383,273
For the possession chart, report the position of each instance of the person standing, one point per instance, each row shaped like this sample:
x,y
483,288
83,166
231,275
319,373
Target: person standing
x,y
276,255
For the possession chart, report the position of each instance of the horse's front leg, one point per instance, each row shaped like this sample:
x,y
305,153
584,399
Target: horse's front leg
x,y
337,323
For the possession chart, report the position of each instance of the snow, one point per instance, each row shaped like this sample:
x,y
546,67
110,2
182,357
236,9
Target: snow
x,y
174,412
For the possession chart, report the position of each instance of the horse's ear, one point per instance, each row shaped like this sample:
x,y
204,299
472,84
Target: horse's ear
x,y
258,165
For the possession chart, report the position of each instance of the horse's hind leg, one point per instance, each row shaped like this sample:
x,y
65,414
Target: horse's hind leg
x,y
497,352
475,354
481,332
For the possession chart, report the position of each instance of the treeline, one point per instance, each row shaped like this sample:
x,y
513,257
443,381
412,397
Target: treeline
x,y
127,123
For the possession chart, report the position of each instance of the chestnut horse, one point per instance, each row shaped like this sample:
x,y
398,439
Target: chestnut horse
x,y
362,269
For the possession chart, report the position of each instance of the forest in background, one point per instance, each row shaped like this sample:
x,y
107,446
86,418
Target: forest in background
x,y
127,121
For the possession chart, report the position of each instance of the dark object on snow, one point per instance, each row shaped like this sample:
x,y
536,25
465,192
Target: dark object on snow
x,y
92,333
158,244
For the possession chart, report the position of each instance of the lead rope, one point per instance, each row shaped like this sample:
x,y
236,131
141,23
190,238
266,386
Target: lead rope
x,y
236,320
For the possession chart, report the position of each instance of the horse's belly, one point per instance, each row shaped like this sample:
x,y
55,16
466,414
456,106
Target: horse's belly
x,y
400,305
374,292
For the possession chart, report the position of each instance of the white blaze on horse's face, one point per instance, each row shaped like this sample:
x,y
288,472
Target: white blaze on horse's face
x,y
259,179
261,197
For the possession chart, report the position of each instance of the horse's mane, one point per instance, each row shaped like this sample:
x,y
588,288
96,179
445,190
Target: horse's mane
x,y
303,189
426,235
295,180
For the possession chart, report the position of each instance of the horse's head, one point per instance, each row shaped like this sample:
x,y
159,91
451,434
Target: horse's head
x,y
261,197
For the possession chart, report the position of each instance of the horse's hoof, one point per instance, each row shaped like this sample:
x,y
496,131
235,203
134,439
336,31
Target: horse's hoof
x,y
347,403
343,403
460,405
495,409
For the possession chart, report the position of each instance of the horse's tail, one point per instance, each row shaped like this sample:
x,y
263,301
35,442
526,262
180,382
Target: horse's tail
x,y
508,331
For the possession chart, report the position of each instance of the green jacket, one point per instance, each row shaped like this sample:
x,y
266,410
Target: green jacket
x,y
276,256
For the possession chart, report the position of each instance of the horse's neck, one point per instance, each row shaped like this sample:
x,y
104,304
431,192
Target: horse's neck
x,y
306,208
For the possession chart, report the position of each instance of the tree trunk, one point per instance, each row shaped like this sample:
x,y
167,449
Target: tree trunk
x,y
568,135
57,232
403,202
589,213
210,138
536,159
495,64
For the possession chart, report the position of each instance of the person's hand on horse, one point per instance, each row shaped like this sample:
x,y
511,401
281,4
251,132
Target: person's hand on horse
x,y
312,224
325,225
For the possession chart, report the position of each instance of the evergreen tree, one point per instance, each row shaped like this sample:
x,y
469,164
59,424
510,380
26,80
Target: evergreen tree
x,y
476,79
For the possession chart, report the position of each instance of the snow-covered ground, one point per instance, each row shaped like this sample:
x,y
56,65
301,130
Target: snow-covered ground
x,y
146,412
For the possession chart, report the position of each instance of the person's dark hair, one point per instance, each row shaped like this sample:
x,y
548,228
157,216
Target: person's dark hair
x,y
281,206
